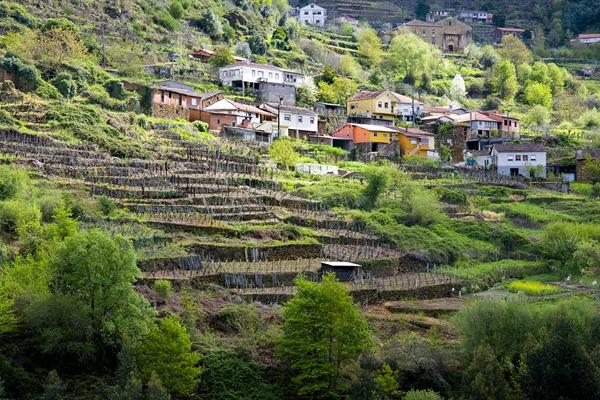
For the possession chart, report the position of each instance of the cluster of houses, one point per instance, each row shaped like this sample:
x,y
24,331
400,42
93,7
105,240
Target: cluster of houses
x,y
368,125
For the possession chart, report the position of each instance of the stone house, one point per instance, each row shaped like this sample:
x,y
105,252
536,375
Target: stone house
x,y
171,99
499,33
449,34
519,159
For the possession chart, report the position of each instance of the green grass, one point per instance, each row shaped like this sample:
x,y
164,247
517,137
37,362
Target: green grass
x,y
532,212
532,288
496,271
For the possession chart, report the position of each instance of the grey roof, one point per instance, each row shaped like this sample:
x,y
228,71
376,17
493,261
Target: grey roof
x,y
519,147
292,109
593,153
182,88
174,85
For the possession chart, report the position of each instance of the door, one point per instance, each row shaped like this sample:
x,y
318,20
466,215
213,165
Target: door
x,y
514,172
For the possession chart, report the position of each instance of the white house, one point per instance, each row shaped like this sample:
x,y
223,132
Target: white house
x,y
407,108
300,122
481,17
313,14
525,159
245,114
588,38
252,74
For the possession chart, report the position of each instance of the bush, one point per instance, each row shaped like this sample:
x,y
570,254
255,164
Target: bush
x,y
48,91
163,288
238,318
421,395
15,216
11,181
27,76
452,196
201,126
164,19
423,208
107,205
65,84
115,89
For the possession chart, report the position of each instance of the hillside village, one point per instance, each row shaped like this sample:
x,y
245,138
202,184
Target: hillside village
x,y
317,200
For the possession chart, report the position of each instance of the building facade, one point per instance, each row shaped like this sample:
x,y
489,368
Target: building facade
x,y
524,159
249,74
171,99
449,35
588,38
312,14
479,17
230,113
300,123
499,33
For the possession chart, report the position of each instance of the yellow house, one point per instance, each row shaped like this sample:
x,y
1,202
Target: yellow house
x,y
372,107
415,141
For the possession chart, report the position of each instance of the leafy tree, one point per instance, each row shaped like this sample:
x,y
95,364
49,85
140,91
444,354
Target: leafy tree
x,y
369,47
504,80
421,395
539,73
457,88
54,389
523,73
100,271
409,58
558,366
591,169
349,66
280,39
155,389
377,182
176,9
258,44
222,57
210,23
338,92
12,181
538,117
421,10
283,151
558,77
484,378
167,352
242,49
387,382
306,95
538,94
65,85
323,333
513,49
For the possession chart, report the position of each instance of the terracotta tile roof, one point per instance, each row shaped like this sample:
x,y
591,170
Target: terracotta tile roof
x,y
472,116
367,94
588,36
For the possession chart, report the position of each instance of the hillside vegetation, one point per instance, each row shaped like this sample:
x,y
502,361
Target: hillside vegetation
x,y
146,258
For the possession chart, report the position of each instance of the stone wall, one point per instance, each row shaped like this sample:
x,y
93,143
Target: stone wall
x,y
272,92
170,111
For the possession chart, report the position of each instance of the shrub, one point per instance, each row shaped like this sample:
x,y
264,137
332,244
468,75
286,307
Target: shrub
x,y
176,9
11,181
421,395
453,196
27,76
283,151
238,318
201,126
115,88
107,205
15,216
65,84
164,288
532,288
423,208
164,19
48,91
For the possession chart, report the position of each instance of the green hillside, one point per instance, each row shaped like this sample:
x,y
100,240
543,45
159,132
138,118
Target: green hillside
x,y
148,258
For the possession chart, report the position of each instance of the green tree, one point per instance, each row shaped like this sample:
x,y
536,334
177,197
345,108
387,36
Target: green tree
x,y
100,271
377,182
337,92
323,333
504,80
283,151
523,73
538,118
369,47
167,352
591,169
421,10
421,395
558,77
387,382
513,49
539,73
484,378
176,9
538,94
411,59
222,57
54,389
558,366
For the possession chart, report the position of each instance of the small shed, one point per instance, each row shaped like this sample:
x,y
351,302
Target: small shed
x,y
343,270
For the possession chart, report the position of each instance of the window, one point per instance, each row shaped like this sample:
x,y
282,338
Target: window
x,y
413,141
385,105
510,158
525,157
312,120
518,157
505,122
375,134
299,118
162,96
276,75
261,73
253,73
317,21
194,101
180,100
379,104
270,75
287,117
170,93
352,106
533,157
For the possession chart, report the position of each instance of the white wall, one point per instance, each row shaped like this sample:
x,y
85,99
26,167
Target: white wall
x,y
313,14
502,159
307,123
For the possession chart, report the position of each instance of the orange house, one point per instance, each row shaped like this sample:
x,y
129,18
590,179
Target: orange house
x,y
360,134
416,141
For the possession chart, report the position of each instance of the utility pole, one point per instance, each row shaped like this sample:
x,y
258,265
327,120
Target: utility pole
x,y
279,117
